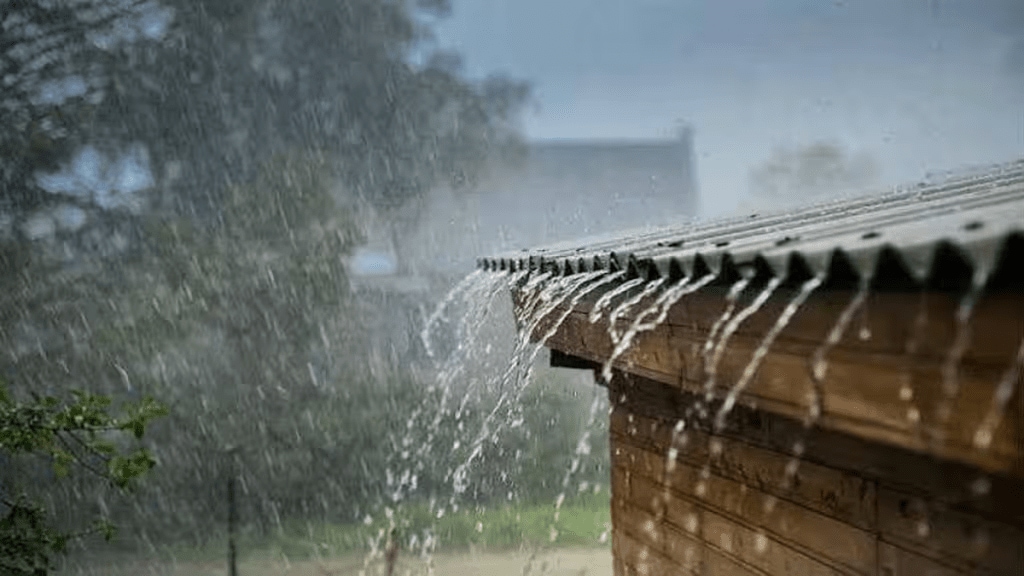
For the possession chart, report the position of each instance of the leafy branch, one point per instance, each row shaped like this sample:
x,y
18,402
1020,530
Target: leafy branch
x,y
82,433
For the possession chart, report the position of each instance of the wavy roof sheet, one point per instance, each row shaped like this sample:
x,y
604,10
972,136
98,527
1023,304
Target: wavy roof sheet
x,y
963,230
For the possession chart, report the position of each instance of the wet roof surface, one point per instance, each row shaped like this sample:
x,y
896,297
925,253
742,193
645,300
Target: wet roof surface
x,y
946,234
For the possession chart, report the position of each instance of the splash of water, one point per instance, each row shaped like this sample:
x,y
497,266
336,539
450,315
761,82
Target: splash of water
x,y
571,288
730,328
423,425
480,298
628,305
581,291
555,295
606,299
662,306
781,322
1004,391
438,313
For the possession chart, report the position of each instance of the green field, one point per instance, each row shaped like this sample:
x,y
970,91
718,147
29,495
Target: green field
x,y
470,537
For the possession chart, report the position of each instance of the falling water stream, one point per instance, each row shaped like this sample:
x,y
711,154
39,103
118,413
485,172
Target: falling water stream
x,y
660,309
951,365
606,299
425,335
750,369
627,305
819,359
1004,391
730,328
548,300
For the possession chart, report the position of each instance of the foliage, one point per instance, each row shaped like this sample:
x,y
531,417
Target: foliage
x,y
213,89
818,169
266,125
83,433
582,521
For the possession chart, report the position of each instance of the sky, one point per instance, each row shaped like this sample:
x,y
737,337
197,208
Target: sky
x,y
920,85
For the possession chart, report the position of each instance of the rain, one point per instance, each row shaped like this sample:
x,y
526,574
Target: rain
x,y
382,287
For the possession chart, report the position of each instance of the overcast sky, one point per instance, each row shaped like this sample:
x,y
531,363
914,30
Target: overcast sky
x,y
919,84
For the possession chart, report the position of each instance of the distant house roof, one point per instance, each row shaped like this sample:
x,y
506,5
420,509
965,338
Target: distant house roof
x,y
565,188
945,234
560,189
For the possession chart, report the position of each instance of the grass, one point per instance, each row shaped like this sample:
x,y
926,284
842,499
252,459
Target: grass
x,y
583,521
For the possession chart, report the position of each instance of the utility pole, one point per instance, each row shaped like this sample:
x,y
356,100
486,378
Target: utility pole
x,y
232,512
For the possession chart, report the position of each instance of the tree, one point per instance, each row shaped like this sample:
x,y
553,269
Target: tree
x,y
83,435
204,92
254,127
813,171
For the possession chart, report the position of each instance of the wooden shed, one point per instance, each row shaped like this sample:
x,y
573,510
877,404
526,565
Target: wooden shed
x,y
834,390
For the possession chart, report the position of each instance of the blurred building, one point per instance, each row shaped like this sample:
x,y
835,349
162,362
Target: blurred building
x,y
558,190
561,189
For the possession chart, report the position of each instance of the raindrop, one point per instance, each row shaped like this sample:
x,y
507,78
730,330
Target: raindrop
x,y
692,523
606,299
981,487
760,543
923,529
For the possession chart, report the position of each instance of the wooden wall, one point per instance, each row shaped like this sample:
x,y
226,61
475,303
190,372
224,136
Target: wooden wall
x,y
852,506
867,377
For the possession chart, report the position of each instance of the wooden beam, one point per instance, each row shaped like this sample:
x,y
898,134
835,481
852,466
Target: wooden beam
x,y
873,388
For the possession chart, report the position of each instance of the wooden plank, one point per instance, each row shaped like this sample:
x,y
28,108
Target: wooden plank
x,y
687,526
949,536
685,549
825,539
718,564
639,557
949,483
839,494
755,548
895,561
862,395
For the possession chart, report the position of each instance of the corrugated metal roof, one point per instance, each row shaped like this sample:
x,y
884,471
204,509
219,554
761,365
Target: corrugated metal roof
x,y
962,230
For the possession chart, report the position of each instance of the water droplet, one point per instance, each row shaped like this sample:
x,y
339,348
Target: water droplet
x,y
760,543
701,489
906,393
819,369
864,333
913,415
983,439
716,447
981,487
924,529
692,523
